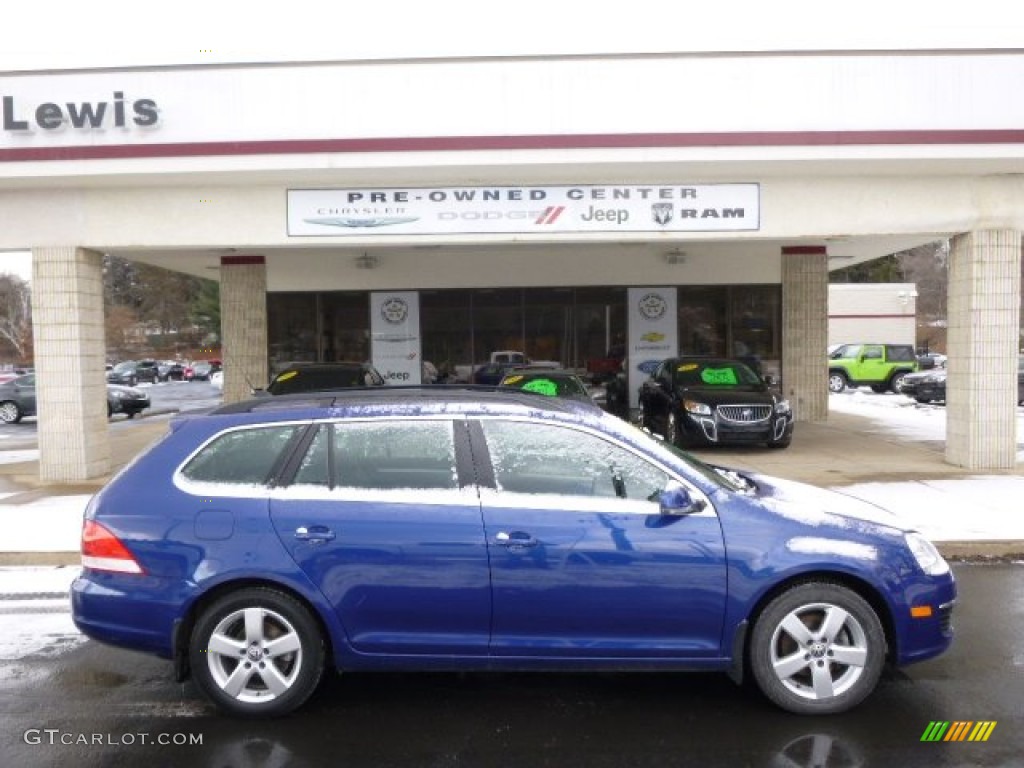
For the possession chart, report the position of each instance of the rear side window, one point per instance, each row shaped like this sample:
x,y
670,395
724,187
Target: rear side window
x,y
241,457
382,456
901,354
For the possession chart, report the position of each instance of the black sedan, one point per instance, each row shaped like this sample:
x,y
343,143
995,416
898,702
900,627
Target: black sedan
x,y
555,382
930,386
18,399
712,401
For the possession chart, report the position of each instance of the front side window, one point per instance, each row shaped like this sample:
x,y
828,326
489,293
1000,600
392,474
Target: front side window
x,y
241,457
388,455
545,459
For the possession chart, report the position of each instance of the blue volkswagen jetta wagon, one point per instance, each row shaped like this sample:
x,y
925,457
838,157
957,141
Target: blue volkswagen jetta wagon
x,y
473,529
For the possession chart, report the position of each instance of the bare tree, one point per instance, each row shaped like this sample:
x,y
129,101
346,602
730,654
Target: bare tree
x,y
16,315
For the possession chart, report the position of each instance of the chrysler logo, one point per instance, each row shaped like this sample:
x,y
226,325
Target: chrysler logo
x,y
353,222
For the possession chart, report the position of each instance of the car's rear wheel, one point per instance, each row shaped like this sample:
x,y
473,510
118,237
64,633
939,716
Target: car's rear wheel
x,y
836,382
257,652
817,648
897,378
10,413
923,400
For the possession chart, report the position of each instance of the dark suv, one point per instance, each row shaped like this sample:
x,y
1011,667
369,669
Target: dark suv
x,y
399,528
879,366
132,372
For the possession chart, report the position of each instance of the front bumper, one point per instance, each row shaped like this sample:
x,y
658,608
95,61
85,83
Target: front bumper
x,y
129,404
716,430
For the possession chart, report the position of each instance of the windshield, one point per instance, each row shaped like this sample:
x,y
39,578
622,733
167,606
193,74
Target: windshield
x,y
714,373
545,384
722,478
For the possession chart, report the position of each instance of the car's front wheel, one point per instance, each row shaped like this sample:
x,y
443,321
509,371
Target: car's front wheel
x,y
817,648
836,382
257,652
10,413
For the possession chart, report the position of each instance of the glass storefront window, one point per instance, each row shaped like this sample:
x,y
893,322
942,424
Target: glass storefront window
x,y
703,329
291,328
460,328
548,320
754,317
497,321
446,330
600,323
346,326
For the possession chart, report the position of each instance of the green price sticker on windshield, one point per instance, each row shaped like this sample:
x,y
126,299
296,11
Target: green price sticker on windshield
x,y
718,376
542,387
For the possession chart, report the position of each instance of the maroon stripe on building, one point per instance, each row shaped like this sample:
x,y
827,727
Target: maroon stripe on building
x,y
803,250
869,317
536,142
234,261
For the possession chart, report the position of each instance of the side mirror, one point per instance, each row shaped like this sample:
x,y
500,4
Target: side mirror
x,y
675,501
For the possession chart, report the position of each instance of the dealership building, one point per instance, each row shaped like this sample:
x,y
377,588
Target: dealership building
x,y
443,208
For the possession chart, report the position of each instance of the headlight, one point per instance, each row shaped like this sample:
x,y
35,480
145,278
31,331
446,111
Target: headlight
x,y
926,554
692,406
782,406
117,394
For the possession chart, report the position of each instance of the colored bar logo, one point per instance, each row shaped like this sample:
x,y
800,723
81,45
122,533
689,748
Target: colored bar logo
x,y
960,730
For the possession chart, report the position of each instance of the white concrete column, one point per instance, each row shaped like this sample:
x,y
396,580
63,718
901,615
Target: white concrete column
x,y
70,351
243,321
805,331
982,346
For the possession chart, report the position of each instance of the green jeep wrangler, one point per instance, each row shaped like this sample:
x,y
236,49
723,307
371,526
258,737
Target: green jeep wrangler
x,y
880,366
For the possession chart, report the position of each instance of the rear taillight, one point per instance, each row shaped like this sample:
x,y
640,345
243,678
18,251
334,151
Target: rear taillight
x,y
103,551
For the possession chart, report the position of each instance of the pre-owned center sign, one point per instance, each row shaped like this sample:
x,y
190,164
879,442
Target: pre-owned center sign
x,y
523,210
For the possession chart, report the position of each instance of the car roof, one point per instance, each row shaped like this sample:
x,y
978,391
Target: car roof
x,y
405,400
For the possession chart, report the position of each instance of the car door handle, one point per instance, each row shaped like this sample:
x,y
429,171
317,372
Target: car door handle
x,y
314,533
515,539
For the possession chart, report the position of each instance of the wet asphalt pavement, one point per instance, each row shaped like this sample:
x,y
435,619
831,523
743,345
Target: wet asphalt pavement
x,y
83,704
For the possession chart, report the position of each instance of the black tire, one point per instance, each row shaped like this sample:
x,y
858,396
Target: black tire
x,y
837,382
923,400
642,416
781,444
783,665
10,413
250,622
110,411
879,388
894,382
672,433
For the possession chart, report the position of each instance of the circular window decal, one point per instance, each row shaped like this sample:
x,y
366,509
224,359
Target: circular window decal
x,y
394,310
652,306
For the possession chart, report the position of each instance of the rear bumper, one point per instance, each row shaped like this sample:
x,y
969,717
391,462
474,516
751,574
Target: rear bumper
x,y
105,611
